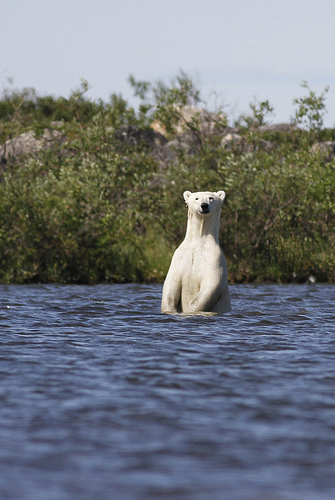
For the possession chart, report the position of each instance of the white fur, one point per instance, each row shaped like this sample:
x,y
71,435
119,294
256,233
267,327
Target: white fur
x,y
197,278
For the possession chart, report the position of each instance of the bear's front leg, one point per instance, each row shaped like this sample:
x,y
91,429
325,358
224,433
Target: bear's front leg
x,y
205,299
171,295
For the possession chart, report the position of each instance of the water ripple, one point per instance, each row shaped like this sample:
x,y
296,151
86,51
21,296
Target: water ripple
x,y
101,393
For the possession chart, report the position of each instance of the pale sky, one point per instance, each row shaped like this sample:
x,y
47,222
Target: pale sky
x,y
240,50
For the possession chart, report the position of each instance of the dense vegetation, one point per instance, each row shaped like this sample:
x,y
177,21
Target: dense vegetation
x,y
100,203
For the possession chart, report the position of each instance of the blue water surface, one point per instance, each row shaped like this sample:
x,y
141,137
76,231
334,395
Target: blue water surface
x,y
104,397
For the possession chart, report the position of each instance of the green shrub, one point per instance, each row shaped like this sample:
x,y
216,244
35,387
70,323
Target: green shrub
x,y
93,209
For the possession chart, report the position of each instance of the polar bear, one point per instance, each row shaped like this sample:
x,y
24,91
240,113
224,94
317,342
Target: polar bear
x,y
197,278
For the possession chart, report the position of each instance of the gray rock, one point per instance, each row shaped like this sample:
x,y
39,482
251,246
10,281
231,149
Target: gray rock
x,y
278,127
234,141
327,147
231,139
206,122
133,136
28,143
189,143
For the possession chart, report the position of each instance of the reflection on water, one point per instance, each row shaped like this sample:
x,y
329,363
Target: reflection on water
x,y
101,396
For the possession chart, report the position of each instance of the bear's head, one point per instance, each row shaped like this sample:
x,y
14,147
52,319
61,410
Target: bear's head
x,y
204,203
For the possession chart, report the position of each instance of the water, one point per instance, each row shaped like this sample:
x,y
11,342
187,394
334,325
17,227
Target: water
x,y
102,397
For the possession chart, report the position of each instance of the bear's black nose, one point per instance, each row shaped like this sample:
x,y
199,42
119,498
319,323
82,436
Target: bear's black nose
x,y
205,207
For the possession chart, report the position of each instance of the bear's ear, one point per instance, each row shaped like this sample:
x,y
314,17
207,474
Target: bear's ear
x,y
221,195
187,195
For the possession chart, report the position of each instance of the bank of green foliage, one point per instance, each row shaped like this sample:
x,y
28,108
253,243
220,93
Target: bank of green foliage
x,y
95,209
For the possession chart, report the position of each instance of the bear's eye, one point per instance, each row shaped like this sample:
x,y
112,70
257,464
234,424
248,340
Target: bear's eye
x,y
211,198
196,199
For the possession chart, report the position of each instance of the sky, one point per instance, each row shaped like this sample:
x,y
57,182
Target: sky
x,y
237,52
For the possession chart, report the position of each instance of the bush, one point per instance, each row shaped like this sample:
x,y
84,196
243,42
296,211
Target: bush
x,y
96,209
